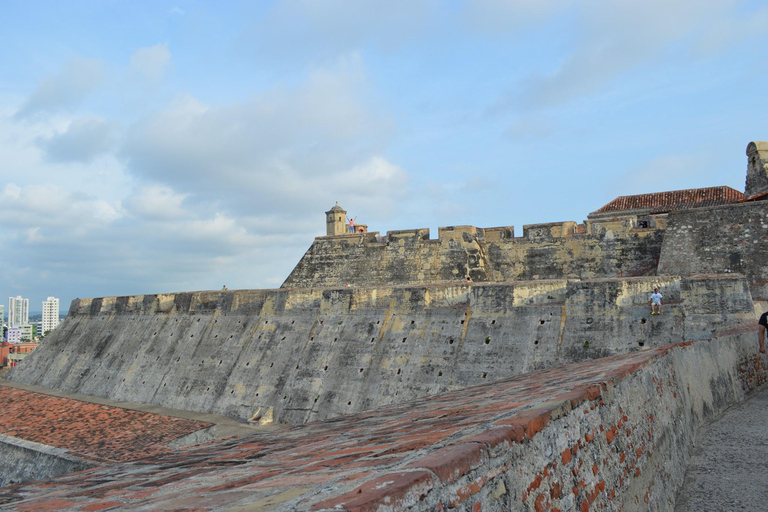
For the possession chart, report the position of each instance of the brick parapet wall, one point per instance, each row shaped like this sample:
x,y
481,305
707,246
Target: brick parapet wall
x,y
612,434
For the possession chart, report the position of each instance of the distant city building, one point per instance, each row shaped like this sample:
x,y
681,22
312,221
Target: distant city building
x,y
13,334
50,314
12,354
28,332
2,314
18,311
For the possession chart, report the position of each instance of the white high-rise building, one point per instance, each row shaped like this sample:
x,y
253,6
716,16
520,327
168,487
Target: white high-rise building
x,y
18,311
2,314
50,314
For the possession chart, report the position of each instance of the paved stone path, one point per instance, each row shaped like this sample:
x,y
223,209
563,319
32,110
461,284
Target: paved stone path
x,y
728,469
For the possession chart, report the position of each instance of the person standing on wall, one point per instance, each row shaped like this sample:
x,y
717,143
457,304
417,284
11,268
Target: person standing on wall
x,y
762,325
655,302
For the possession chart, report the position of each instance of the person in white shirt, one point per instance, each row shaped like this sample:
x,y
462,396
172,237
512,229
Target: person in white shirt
x,y
655,302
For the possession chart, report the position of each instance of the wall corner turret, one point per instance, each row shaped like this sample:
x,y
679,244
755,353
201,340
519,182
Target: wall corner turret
x,y
336,221
757,169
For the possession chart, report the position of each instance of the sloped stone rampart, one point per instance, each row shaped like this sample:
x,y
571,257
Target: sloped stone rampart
x,y
306,354
612,434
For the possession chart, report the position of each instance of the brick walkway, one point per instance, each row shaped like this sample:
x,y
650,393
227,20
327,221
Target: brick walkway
x,y
93,431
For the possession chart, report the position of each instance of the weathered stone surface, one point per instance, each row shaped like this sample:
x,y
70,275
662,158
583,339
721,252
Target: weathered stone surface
x,y
545,251
727,239
308,354
627,437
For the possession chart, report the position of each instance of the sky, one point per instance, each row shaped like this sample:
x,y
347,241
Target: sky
x,y
166,146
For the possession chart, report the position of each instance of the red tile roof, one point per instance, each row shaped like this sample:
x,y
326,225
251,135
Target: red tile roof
x,y
89,430
661,202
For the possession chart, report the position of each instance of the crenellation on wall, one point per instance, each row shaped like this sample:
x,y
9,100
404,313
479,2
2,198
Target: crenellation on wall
x,y
545,251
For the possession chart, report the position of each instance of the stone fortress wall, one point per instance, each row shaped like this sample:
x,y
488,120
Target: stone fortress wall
x,y
561,250
299,355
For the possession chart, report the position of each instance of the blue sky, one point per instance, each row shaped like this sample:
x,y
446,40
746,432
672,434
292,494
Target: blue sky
x,y
152,146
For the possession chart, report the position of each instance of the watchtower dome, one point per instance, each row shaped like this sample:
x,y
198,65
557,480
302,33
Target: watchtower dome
x,y
336,221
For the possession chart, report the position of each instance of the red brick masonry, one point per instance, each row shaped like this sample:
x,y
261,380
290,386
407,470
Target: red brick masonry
x,y
450,450
92,431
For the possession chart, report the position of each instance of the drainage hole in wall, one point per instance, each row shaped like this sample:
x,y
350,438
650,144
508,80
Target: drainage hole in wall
x,y
232,392
143,382
334,339
641,343
248,363
158,358
535,342
412,322
198,320
642,320
311,338
404,339
315,400
589,320
341,322
163,384
349,403
439,374
398,371
321,322
292,321
216,336
541,322
257,394
371,342
450,342
203,361
377,322
493,322
265,322
283,339
285,397
154,334
297,367
484,374
487,340
123,380
462,322
191,335
271,365
220,362
360,370
325,369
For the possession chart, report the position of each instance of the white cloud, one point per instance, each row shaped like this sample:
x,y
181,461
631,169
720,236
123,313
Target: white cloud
x,y
66,89
286,151
610,38
156,202
82,141
151,62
